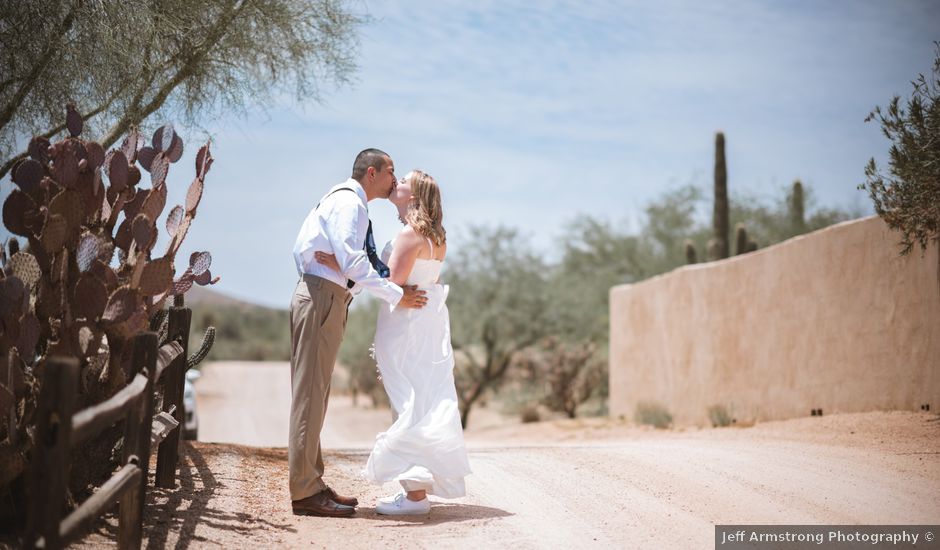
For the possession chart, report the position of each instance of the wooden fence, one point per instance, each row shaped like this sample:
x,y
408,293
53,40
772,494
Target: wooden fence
x,y
59,429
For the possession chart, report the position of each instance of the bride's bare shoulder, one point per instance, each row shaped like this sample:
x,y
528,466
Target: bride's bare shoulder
x,y
408,237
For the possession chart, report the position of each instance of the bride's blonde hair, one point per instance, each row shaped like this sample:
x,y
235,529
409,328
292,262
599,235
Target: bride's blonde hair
x,y
425,214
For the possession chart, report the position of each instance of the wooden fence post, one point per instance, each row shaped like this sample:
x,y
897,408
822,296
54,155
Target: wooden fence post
x,y
137,442
175,376
50,465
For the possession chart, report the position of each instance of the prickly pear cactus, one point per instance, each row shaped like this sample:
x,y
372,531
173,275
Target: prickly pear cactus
x,y
84,284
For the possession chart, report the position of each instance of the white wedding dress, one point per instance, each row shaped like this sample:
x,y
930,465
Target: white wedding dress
x,y
424,447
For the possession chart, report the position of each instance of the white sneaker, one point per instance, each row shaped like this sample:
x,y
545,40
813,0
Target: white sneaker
x,y
391,499
402,506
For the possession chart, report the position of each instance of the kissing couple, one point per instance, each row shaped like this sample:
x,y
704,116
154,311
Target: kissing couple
x,y
336,258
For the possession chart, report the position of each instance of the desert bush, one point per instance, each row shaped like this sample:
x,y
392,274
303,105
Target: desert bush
x,y
244,331
499,306
567,373
908,197
530,414
652,414
719,417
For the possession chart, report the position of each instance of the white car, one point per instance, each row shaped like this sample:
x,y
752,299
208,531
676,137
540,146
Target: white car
x,y
191,417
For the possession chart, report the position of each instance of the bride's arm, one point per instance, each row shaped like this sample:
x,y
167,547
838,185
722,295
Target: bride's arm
x,y
407,245
405,251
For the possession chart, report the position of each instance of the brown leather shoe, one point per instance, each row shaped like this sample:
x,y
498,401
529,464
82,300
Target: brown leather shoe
x,y
321,504
347,501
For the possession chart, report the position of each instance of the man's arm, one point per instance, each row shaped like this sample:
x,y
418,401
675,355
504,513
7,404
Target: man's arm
x,y
347,220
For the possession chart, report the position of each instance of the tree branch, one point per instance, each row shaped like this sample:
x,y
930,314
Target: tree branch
x,y
8,165
137,113
52,47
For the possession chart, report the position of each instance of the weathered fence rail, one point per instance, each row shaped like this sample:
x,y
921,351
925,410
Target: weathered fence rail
x,y
60,428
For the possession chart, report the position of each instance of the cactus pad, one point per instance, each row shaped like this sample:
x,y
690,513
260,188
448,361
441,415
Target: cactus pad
x,y
121,304
159,169
90,297
145,157
39,149
105,274
124,236
173,220
27,175
181,233
93,194
133,175
155,202
70,205
175,152
15,210
162,138
199,262
117,169
29,335
55,233
135,206
25,266
87,251
193,196
130,145
143,231
136,323
184,283
12,290
157,276
203,162
206,279
65,166
73,120
95,153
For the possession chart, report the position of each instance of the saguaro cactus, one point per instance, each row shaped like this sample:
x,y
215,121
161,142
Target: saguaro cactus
x,y
741,239
720,217
796,206
691,256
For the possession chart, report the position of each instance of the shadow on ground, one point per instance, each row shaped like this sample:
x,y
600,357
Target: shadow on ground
x,y
171,516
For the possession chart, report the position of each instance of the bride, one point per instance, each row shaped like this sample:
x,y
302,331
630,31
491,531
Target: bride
x,y
423,449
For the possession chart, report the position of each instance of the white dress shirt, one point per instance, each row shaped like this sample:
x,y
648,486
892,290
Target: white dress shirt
x,y
339,226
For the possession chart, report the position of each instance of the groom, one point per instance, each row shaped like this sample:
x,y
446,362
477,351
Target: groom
x,y
340,225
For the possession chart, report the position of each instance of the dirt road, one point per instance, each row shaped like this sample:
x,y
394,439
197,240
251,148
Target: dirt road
x,y
598,483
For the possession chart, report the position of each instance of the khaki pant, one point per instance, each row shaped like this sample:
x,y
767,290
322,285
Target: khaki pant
x,y
317,320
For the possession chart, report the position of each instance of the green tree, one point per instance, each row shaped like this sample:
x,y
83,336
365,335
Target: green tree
x,y
785,215
499,306
356,352
122,63
908,196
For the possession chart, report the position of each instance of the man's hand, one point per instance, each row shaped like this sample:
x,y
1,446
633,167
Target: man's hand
x,y
413,298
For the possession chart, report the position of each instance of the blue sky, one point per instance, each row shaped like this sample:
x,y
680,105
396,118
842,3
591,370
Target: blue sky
x,y
530,113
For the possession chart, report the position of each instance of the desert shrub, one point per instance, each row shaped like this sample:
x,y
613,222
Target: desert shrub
x,y
718,415
652,414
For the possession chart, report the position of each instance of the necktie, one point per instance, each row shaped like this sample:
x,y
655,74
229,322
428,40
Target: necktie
x,y
377,263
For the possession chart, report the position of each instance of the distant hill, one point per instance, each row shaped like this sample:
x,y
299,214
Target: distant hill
x,y
200,295
244,331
